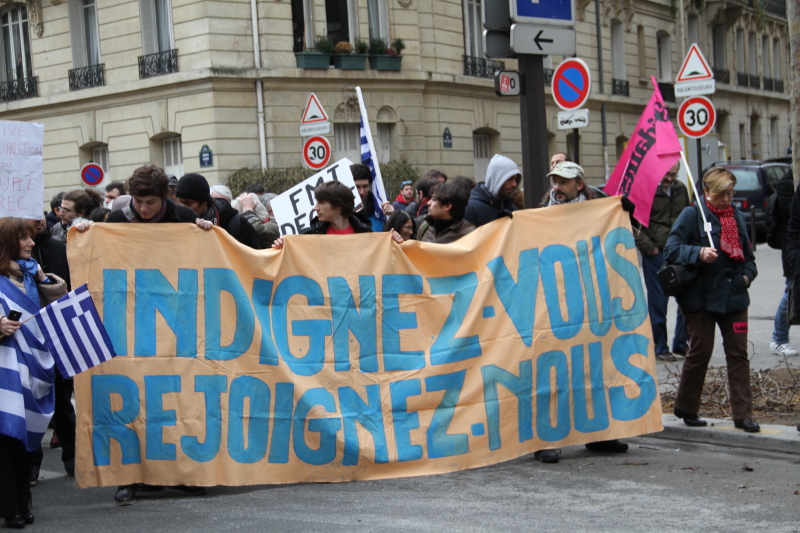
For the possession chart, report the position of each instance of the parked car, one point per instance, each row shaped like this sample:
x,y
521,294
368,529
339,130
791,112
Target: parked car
x,y
755,182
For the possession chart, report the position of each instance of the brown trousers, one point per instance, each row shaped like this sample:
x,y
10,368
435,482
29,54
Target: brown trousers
x,y
700,327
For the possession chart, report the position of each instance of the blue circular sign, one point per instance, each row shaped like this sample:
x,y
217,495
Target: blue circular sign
x,y
572,84
92,174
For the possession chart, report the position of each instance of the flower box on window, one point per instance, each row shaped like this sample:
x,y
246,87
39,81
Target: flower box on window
x,y
350,61
385,62
312,60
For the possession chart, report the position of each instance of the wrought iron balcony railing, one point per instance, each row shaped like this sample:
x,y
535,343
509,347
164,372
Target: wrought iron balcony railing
x,y
86,77
667,91
481,67
755,82
19,89
721,75
620,87
548,77
742,79
158,64
768,84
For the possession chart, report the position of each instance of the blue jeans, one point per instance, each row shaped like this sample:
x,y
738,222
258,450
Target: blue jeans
x,y
657,308
780,331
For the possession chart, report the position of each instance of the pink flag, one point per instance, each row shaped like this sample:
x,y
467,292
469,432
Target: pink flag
x,y
652,150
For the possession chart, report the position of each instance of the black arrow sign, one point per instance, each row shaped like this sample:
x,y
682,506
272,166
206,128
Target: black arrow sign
x,y
537,40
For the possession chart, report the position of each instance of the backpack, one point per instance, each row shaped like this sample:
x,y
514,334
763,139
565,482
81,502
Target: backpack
x,y
774,222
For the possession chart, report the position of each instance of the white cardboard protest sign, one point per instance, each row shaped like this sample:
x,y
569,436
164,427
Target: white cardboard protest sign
x,y
294,209
21,175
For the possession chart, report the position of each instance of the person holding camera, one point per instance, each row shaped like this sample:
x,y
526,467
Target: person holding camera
x,y
718,297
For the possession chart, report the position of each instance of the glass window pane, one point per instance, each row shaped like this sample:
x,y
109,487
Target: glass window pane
x,y
8,53
746,180
90,25
162,25
26,43
19,71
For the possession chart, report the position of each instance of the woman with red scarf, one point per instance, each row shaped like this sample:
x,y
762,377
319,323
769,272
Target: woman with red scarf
x,y
718,298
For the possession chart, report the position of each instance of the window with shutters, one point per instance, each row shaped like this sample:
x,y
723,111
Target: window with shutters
x,y
173,156
16,68
384,146
100,156
158,47
480,154
378,15
347,141
87,70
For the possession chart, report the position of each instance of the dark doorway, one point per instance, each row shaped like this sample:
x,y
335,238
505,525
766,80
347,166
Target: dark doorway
x,y
336,14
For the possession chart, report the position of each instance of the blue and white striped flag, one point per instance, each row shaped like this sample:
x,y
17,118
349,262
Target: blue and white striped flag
x,y
370,158
74,333
27,396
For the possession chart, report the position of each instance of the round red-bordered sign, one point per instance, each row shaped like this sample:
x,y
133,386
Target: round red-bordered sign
x,y
317,152
92,174
696,116
572,84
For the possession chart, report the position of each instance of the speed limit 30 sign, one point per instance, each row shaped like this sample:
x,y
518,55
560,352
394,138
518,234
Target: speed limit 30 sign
x,y
696,116
317,152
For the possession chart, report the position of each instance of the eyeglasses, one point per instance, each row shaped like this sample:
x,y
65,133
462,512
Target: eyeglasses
x,y
66,210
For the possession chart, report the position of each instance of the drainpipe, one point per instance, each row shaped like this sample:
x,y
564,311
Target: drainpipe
x,y
602,90
262,135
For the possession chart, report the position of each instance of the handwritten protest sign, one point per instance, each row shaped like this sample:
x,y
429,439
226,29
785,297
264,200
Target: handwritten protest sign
x,y
21,175
293,209
352,357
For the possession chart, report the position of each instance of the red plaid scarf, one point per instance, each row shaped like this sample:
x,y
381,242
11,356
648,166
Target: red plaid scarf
x,y
729,240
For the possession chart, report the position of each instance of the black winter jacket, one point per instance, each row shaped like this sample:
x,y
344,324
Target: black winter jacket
x,y
52,256
321,228
223,214
720,286
174,213
785,195
484,208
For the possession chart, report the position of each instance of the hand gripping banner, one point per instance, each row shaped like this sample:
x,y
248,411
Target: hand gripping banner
x,y
352,357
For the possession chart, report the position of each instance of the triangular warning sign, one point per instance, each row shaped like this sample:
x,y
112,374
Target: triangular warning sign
x,y
313,113
695,67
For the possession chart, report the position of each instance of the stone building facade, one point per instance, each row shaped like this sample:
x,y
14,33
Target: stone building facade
x,y
124,82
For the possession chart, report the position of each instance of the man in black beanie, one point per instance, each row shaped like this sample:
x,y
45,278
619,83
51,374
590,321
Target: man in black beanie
x,y
193,192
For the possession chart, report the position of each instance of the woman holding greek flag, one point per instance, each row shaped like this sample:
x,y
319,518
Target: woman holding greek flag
x,y
26,367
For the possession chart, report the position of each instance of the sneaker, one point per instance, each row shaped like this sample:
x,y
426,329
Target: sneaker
x,y
547,456
783,349
666,356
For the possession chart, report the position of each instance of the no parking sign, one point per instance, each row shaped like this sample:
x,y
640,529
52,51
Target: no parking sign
x,y
92,174
572,84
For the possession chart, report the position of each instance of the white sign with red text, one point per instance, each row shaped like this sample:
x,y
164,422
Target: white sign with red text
x,y
21,174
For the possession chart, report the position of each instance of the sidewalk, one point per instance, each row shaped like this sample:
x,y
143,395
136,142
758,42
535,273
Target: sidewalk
x,y
772,437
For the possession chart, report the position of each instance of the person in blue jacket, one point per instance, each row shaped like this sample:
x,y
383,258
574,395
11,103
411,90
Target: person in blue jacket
x,y
718,297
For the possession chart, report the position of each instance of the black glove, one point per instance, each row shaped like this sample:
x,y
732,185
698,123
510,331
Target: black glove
x,y
627,205
504,213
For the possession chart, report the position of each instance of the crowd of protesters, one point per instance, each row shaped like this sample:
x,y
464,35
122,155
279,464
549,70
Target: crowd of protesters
x,y
434,209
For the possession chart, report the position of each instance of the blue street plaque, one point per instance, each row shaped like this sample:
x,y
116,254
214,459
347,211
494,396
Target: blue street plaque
x,y
545,12
206,157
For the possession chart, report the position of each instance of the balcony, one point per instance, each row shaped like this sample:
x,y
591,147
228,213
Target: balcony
x,y
721,75
755,82
19,89
667,91
620,87
778,86
153,65
87,77
481,67
742,80
768,84
775,7
548,77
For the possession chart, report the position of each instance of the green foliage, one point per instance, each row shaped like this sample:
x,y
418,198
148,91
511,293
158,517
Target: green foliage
x,y
394,173
398,45
361,47
377,47
323,45
278,180
275,180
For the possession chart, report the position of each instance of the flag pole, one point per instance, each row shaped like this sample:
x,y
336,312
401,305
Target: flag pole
x,y
697,197
368,132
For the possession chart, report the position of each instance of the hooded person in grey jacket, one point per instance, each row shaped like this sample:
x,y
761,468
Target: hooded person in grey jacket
x,y
494,198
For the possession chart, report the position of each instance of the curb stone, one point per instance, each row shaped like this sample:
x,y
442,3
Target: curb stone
x,y
772,437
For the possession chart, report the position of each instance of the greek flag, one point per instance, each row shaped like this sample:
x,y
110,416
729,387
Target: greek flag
x,y
74,333
369,158
27,396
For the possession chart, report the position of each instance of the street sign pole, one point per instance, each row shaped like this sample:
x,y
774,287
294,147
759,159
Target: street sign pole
x,y
577,156
699,158
533,122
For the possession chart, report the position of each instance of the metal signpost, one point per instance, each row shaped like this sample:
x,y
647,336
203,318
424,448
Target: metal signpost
x,y
529,31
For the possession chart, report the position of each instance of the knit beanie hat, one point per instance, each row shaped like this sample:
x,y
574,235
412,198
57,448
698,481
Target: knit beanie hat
x,y
194,187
